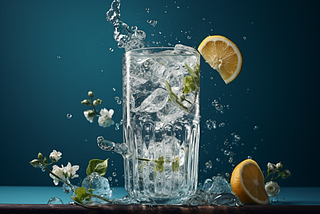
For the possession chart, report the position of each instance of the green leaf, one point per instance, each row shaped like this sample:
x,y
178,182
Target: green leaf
x,y
159,164
81,194
97,165
175,165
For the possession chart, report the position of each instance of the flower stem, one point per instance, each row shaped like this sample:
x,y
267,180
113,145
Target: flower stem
x,y
68,183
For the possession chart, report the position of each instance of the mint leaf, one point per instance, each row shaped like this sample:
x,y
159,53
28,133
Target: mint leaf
x,y
97,165
175,165
159,164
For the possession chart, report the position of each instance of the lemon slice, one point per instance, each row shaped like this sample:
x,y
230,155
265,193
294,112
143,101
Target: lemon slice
x,y
247,182
222,55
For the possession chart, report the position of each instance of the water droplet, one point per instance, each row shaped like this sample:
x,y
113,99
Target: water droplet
x,y
178,7
249,157
69,116
230,160
66,189
227,174
101,70
255,148
208,164
147,10
55,200
218,107
218,159
244,38
110,178
116,180
58,57
111,49
114,174
117,126
152,22
189,37
237,137
221,125
226,152
209,124
113,89
255,127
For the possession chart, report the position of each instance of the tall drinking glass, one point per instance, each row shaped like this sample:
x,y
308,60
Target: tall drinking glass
x,y
161,128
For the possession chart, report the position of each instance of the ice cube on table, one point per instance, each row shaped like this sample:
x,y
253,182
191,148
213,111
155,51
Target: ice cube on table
x,y
216,185
100,185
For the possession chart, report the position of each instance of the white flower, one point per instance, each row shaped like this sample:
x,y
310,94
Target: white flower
x,y
58,172
272,188
286,173
55,156
279,166
271,168
105,119
70,171
89,114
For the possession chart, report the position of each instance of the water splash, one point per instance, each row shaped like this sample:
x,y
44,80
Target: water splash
x,y
126,38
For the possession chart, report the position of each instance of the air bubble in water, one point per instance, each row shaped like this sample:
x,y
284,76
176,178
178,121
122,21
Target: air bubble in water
x,y
113,89
255,127
227,174
189,37
244,38
110,178
58,57
69,116
147,10
230,160
111,49
114,174
209,124
226,152
117,126
249,157
218,159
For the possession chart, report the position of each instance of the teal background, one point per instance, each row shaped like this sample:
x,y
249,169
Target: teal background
x,y
277,90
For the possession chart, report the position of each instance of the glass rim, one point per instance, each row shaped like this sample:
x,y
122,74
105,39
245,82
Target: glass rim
x,y
189,51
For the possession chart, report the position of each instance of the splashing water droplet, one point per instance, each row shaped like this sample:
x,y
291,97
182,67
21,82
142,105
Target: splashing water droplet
x,y
237,138
218,107
208,164
221,125
69,116
152,22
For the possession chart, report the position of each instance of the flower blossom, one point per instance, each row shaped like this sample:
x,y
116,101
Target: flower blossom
x,y
271,168
70,171
63,173
286,173
58,172
105,119
272,188
89,114
55,156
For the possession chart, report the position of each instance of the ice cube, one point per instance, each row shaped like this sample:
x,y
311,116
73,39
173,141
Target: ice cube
x,y
99,184
169,113
155,101
216,185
